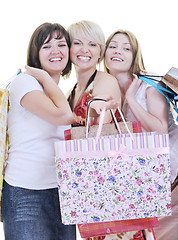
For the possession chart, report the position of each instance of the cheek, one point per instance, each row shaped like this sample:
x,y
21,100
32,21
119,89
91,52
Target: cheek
x,y
107,58
72,54
130,60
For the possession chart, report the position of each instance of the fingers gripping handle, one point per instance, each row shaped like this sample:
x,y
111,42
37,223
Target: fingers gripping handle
x,y
101,120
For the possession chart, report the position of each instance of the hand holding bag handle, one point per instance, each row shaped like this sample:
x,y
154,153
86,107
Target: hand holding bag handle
x,y
101,120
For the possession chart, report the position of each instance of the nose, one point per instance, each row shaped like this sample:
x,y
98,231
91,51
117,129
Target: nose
x,y
84,48
118,50
54,49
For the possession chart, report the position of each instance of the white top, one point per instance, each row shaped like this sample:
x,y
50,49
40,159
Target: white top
x,y
31,160
172,130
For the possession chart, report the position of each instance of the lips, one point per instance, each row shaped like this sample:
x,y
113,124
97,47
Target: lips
x,y
58,59
84,58
117,59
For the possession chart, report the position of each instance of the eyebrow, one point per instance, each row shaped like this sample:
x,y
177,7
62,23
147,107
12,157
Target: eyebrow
x,y
117,42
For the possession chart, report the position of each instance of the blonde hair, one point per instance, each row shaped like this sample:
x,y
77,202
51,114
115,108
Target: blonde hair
x,y
137,65
89,30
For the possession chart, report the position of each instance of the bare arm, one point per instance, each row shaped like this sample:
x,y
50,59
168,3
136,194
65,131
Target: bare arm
x,y
106,87
52,106
156,119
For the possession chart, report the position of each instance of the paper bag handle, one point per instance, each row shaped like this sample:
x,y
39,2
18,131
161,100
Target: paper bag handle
x,y
101,119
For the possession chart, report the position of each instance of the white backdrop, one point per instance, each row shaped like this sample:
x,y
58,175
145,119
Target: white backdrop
x,y
154,23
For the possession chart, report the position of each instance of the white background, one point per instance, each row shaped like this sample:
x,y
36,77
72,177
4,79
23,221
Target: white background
x,y
154,22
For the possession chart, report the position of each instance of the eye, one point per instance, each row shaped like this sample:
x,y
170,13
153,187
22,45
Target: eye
x,y
92,44
112,46
127,49
46,46
76,43
62,45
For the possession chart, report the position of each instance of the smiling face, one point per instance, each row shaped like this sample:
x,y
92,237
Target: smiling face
x,y
119,56
54,55
84,52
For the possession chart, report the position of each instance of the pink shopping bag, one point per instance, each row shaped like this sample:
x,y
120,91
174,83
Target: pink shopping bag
x,y
113,178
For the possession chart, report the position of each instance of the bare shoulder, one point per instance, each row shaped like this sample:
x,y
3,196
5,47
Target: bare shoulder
x,y
106,77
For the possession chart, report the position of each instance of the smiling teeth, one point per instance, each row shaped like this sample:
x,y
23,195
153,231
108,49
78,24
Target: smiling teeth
x,y
84,58
55,59
117,59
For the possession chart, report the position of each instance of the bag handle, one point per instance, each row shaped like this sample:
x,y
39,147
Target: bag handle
x,y
101,119
161,89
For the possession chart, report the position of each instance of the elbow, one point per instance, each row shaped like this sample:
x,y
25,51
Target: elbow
x,y
163,129
63,117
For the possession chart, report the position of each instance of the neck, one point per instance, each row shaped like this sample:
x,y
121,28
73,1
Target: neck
x,y
56,78
83,76
124,80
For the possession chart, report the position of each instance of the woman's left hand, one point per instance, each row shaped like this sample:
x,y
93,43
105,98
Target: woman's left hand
x,y
37,73
132,90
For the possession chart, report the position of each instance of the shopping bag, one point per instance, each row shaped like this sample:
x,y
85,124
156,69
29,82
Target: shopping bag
x,y
110,178
171,79
4,94
114,227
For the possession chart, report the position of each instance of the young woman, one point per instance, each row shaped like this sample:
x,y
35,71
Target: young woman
x,y
86,52
142,102
30,202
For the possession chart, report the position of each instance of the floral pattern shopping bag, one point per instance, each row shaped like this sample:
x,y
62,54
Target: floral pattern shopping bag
x,y
114,178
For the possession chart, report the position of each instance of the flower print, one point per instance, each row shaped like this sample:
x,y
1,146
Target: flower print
x,y
131,206
63,194
114,214
141,161
169,206
96,219
146,214
101,179
74,185
77,163
65,176
162,170
111,179
73,214
159,156
91,172
96,172
118,198
139,193
156,170
116,171
60,175
84,210
148,197
159,188
95,165
95,190
78,173
139,181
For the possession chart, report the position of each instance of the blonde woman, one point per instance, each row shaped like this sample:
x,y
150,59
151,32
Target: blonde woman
x,y
142,102
86,52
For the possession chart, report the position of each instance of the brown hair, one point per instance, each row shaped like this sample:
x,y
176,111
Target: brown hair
x,y
38,38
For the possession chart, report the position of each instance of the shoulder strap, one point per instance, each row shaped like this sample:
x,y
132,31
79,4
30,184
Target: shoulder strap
x,y
72,95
